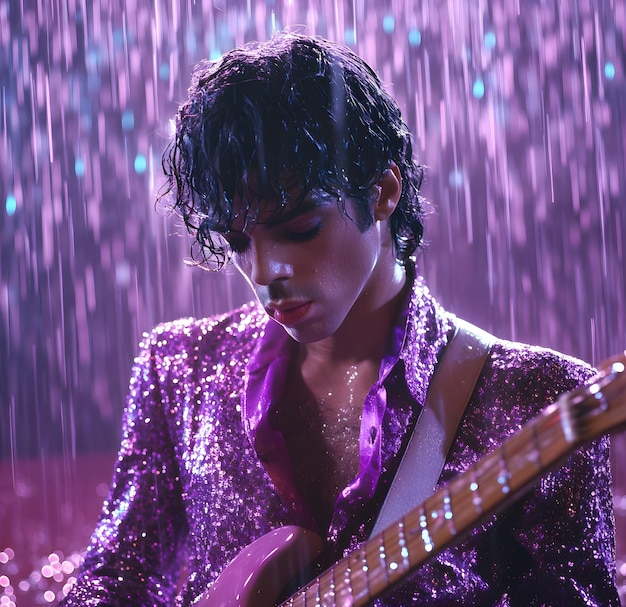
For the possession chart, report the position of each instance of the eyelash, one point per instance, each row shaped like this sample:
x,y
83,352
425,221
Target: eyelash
x,y
240,244
305,236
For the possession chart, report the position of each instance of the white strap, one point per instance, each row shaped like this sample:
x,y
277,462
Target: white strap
x,y
449,392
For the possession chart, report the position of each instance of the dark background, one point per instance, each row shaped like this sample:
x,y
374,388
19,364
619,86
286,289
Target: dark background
x,y
518,110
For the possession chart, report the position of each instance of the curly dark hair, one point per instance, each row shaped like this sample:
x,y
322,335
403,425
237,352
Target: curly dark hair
x,y
294,109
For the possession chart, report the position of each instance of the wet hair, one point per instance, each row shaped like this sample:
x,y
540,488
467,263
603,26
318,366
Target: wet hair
x,y
292,111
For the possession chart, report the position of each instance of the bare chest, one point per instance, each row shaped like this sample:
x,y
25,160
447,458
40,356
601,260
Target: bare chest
x,y
322,433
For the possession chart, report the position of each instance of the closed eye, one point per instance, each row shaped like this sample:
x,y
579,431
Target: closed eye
x,y
303,235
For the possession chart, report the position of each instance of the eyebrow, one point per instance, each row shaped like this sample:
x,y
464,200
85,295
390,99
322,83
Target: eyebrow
x,y
307,205
301,209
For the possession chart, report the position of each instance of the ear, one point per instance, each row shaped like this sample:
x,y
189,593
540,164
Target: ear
x,y
390,190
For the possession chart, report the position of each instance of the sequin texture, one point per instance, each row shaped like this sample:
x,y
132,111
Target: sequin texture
x,y
190,491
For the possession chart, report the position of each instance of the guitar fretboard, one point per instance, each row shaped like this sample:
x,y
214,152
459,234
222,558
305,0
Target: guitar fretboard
x,y
442,519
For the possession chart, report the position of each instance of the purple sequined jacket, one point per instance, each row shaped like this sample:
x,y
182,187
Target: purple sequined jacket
x,y
202,472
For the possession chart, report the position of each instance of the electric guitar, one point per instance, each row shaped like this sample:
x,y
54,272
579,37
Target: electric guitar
x,y
257,575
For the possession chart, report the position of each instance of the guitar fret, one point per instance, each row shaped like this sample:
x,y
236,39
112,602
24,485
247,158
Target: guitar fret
x,y
331,588
311,594
535,454
382,555
447,511
348,581
394,546
341,584
404,550
364,570
359,576
504,475
428,542
477,499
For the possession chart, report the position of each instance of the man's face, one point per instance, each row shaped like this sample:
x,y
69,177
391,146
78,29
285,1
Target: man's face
x,y
311,267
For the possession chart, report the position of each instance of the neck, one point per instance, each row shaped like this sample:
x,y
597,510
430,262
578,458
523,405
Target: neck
x,y
365,334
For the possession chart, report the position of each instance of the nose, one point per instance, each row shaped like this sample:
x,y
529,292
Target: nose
x,y
267,263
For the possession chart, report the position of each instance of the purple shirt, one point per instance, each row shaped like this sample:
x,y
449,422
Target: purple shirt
x,y
202,472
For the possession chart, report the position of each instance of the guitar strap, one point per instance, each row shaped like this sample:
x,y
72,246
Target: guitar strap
x,y
450,390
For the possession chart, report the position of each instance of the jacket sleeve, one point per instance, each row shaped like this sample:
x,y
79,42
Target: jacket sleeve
x,y
134,556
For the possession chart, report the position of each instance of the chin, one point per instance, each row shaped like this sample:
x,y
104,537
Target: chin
x,y
308,335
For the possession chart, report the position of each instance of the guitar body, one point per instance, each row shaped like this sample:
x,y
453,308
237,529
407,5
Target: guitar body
x,y
258,574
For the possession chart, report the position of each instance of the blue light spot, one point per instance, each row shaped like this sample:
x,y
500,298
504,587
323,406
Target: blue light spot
x,y
191,43
415,37
164,71
455,178
349,36
609,70
79,167
215,54
118,37
11,205
140,163
128,120
389,24
94,58
478,90
490,39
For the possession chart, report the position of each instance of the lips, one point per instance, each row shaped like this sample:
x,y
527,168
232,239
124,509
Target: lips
x,y
289,313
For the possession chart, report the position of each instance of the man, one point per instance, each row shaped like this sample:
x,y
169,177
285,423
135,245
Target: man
x,y
291,161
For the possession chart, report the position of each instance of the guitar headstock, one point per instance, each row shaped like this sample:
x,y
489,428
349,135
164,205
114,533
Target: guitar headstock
x,y
600,406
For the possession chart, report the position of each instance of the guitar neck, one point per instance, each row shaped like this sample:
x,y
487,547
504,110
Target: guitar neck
x,y
255,577
440,521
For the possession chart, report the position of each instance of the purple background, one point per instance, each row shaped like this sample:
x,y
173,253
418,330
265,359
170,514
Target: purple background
x,y
518,111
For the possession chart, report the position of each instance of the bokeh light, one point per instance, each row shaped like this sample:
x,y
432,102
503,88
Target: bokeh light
x,y
518,115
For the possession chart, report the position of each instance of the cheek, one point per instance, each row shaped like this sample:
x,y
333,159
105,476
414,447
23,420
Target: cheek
x,y
358,252
346,264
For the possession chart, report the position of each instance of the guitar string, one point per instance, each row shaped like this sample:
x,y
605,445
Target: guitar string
x,y
509,461
411,549
494,466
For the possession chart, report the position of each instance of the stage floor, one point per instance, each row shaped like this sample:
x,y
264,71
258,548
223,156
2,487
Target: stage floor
x,y
48,508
